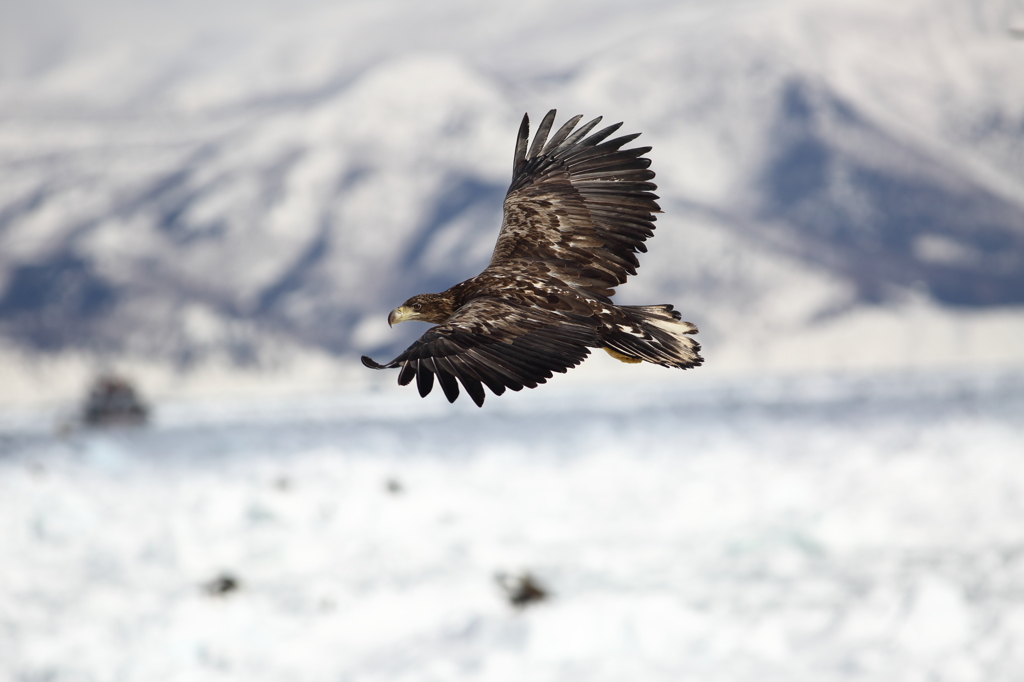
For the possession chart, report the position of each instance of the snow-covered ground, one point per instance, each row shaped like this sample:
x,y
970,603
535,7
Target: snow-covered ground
x,y
816,528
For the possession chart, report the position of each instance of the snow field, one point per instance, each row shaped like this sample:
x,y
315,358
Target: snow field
x,y
836,532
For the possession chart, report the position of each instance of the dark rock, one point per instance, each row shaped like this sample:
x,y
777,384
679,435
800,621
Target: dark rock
x,y
222,585
522,590
113,401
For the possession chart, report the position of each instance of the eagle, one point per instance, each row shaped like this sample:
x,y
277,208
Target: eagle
x,y
579,209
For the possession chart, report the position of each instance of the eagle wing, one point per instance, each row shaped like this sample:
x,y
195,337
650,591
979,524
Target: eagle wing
x,y
492,343
581,205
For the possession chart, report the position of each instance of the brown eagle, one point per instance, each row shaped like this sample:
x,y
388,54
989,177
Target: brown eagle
x,y
577,212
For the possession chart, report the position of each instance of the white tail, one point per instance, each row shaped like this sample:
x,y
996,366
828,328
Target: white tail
x,y
657,335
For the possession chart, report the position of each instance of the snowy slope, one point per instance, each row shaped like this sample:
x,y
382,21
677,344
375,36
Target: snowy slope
x,y
251,185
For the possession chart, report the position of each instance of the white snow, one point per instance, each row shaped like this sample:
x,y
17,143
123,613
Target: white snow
x,y
823,528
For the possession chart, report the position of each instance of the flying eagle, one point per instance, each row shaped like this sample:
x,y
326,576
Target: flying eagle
x,y
577,212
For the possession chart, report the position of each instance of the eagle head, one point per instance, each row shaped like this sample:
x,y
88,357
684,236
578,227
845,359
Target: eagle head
x,y
433,308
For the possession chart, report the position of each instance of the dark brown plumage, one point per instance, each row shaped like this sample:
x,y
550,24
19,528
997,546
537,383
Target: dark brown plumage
x,y
578,211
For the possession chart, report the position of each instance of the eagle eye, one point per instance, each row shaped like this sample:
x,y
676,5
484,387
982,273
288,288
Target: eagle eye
x,y
417,306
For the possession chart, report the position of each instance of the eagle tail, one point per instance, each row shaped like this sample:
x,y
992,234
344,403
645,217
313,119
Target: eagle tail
x,y
656,334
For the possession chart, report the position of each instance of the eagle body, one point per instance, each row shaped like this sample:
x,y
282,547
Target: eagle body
x,y
576,214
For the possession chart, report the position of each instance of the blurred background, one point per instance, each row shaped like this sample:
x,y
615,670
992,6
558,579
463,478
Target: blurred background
x,y
199,192
220,201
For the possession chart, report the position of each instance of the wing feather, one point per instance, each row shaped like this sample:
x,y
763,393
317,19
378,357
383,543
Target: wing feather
x,y
521,142
488,372
563,132
496,344
501,376
408,372
468,378
578,203
448,384
542,134
573,139
424,377
600,134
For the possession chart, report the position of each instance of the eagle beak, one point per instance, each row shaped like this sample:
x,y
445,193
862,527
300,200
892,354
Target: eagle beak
x,y
399,314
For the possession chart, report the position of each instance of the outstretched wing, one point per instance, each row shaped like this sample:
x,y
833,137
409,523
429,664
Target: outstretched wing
x,y
581,204
491,343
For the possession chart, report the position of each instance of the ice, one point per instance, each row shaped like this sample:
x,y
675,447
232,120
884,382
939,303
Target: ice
x,y
817,528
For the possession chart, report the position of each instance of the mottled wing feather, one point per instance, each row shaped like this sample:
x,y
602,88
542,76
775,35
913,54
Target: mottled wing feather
x,y
582,204
492,343
542,134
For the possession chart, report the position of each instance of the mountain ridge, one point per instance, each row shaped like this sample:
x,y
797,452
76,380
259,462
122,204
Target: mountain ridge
x,y
230,215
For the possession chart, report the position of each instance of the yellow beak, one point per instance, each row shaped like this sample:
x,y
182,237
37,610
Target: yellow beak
x,y
399,314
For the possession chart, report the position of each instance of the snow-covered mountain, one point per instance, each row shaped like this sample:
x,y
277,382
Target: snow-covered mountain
x,y
252,185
